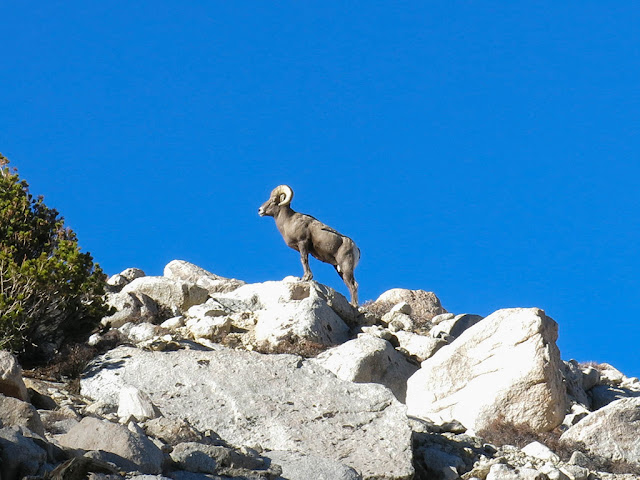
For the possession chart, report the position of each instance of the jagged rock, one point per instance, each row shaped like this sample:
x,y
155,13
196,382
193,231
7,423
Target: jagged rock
x,y
611,432
130,307
188,272
424,305
297,466
20,455
135,403
573,377
14,412
602,395
609,375
57,422
172,430
419,346
504,368
127,449
455,326
11,382
40,400
574,472
270,401
80,468
118,281
444,465
211,308
577,413
398,321
590,377
195,457
369,359
173,297
441,318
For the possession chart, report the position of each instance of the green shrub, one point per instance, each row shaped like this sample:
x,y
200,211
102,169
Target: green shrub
x,y
50,292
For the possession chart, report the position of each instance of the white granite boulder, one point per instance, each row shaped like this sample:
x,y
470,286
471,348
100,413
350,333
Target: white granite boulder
x,y
276,402
368,359
505,367
611,432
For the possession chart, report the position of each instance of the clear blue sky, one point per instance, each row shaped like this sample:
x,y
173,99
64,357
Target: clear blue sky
x,y
486,151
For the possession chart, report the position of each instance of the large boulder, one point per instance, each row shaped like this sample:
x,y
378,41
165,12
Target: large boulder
x,y
188,272
11,382
289,309
610,433
173,297
505,368
127,448
368,359
268,401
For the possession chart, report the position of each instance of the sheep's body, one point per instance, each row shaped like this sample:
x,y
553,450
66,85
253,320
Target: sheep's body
x,y
308,235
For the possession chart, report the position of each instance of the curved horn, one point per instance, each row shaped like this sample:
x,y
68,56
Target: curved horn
x,y
283,190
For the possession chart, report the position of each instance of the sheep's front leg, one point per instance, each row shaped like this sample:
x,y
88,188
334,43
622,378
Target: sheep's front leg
x,y
304,258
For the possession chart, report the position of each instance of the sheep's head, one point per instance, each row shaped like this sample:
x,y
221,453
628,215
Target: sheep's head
x,y
280,197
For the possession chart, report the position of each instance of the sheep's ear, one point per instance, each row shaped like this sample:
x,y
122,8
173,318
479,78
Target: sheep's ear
x,y
281,198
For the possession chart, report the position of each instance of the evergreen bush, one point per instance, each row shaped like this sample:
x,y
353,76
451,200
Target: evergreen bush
x,y
50,292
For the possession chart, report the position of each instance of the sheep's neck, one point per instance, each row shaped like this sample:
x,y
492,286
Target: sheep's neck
x,y
284,214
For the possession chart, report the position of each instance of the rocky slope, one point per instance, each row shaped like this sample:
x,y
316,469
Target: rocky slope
x,y
203,377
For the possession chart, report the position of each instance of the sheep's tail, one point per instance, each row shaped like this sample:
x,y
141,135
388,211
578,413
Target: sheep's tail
x,y
356,256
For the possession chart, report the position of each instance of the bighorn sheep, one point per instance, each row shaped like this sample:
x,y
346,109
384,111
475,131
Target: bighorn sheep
x,y
310,236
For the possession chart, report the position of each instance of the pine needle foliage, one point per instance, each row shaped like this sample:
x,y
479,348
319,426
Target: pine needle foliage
x,y
50,292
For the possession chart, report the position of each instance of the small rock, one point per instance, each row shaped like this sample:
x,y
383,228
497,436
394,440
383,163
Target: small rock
x,y
574,472
211,328
400,321
196,457
135,403
14,412
580,459
402,307
143,332
538,450
173,323
419,346
172,431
